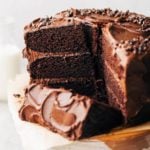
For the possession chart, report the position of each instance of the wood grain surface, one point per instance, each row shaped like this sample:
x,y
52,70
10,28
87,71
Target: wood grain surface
x,y
134,138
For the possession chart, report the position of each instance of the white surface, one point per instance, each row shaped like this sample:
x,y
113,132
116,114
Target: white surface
x,y
9,139
84,145
9,66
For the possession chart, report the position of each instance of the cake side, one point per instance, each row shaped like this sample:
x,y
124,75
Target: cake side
x,y
125,80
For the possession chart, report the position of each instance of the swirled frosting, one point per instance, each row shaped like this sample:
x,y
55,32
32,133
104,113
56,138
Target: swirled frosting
x,y
71,115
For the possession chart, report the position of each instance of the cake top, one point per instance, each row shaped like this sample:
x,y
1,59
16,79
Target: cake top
x,y
106,15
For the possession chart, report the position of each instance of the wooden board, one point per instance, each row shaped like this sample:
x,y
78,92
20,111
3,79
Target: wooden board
x,y
134,138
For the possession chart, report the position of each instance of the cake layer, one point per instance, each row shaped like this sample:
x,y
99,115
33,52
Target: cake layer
x,y
115,41
84,86
62,67
114,84
67,37
60,111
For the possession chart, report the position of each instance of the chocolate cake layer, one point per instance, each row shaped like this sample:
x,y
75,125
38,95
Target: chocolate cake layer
x,y
65,38
60,111
83,86
114,84
62,67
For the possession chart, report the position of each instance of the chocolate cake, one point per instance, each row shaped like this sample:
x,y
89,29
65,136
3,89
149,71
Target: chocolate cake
x,y
60,111
103,55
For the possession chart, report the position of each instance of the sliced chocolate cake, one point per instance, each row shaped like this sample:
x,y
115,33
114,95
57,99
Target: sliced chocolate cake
x,y
73,116
101,55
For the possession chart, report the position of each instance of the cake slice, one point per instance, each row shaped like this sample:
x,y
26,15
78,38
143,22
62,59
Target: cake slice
x,y
72,115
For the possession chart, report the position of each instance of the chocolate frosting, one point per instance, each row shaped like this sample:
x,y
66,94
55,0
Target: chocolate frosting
x,y
32,55
72,115
129,47
57,109
76,16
